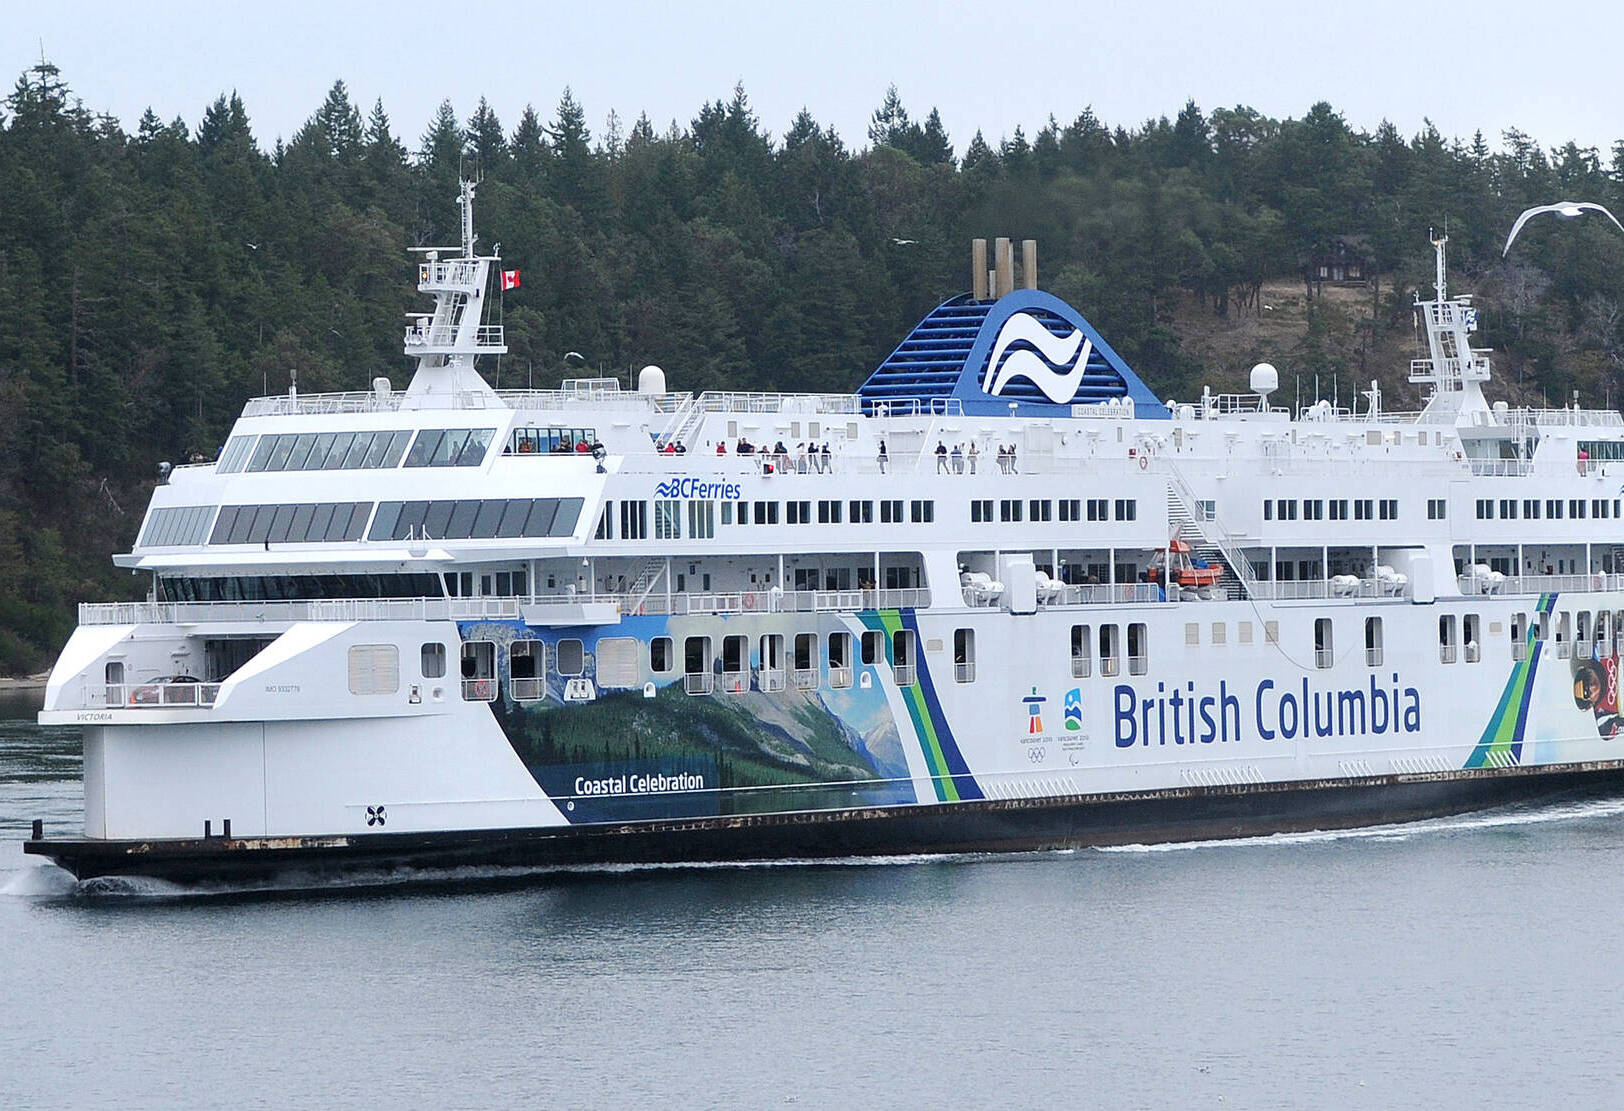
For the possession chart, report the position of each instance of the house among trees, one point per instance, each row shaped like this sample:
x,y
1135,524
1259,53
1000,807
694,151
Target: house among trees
x,y
1347,260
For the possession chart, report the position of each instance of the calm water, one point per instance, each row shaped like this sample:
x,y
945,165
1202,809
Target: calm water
x,y
1455,963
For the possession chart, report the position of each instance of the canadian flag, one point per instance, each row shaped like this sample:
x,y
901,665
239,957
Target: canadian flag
x,y
510,279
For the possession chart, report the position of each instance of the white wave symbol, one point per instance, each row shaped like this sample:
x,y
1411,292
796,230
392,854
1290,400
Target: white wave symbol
x,y
1070,352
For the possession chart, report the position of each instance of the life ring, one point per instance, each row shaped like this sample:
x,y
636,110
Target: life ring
x,y
749,601
1144,462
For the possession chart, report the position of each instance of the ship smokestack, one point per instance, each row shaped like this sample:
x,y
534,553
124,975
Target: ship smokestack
x,y
1029,264
1005,264
978,269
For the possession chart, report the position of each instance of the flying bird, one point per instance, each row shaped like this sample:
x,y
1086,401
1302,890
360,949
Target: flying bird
x,y
903,242
1566,209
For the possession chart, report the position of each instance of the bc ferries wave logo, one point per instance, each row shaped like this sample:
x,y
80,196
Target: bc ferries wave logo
x,y
1056,366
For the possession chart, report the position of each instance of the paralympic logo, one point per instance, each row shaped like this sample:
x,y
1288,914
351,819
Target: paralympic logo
x,y
1068,353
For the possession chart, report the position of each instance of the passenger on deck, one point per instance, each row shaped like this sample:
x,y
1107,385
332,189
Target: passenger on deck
x,y
941,457
721,447
828,464
958,458
1003,460
974,452
881,457
1013,469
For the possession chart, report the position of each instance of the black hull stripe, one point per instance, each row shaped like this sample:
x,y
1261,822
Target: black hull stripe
x,y
991,825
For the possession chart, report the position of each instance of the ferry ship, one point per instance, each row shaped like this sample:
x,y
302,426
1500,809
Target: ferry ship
x,y
1001,598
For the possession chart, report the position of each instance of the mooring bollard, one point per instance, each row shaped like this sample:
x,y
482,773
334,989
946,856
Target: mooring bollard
x,y
39,829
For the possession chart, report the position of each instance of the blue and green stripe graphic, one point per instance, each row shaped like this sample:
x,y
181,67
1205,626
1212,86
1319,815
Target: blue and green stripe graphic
x,y
950,775
1502,740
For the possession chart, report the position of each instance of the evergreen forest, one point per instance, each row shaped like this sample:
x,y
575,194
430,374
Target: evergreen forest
x,y
151,280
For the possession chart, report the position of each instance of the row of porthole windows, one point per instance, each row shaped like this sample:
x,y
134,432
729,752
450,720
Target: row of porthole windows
x,y
1574,633
1529,508
1101,649
779,661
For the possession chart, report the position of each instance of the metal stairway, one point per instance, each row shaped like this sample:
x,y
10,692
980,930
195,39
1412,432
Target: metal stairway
x,y
1208,539
684,419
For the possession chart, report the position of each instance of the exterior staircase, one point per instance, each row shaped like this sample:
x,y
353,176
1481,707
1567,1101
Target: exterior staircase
x,y
1208,539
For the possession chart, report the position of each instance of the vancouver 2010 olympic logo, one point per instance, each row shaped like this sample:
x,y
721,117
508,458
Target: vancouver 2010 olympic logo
x,y
1056,366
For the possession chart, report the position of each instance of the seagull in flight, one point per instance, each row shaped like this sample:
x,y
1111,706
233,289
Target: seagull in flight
x,y
903,242
1566,209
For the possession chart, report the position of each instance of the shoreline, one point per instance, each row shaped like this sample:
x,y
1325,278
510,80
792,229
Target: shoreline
x,y
26,683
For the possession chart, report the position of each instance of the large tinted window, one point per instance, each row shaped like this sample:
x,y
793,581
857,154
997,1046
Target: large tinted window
x,y
476,519
305,523
259,588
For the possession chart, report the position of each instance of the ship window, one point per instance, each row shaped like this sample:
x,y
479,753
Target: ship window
x,y
317,459
1127,509
1099,509
735,664
514,515
1009,509
702,519
449,447
616,662
1373,642
261,527
1110,649
1324,648
1071,509
473,451
667,520
661,655
569,658
1469,637
1138,648
299,527
479,670
696,665
980,511
861,512
1389,509
279,454
840,670
891,512
804,661
873,647
235,455
1081,647
829,512
1220,632
766,513
374,669
436,519
1271,632
904,645
302,450
1039,509
1364,509
1268,509
1508,509
424,446
1553,508
431,660
771,675
633,520
409,525
922,512
1564,638
262,453
964,655
1243,632
1446,638
527,670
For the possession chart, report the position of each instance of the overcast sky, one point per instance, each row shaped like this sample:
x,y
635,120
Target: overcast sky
x,y
989,66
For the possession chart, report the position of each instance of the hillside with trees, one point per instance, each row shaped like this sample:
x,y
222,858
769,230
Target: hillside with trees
x,y
152,280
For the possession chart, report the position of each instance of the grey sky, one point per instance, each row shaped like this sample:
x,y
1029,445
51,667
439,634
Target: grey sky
x,y
990,66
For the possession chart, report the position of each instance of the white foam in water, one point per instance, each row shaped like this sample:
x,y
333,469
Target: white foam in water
x,y
1488,819
144,887
39,881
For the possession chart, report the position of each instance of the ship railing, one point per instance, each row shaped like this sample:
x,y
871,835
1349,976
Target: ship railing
x,y
447,335
913,406
479,690
840,677
1502,468
1581,418
1539,584
1096,594
805,678
736,401
702,682
905,674
1300,589
160,694
771,679
735,682
456,272
770,601
527,690
964,672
